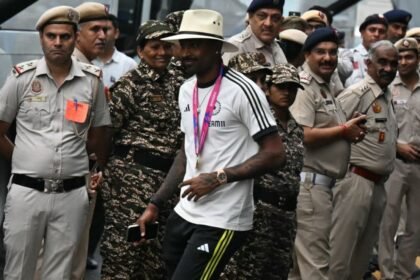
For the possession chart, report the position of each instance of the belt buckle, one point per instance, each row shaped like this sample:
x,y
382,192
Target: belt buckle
x,y
53,186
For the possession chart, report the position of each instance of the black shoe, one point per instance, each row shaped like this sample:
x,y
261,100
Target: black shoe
x,y
91,263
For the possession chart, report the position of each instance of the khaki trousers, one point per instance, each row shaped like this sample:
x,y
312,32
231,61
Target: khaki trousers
x,y
311,248
32,216
358,206
404,182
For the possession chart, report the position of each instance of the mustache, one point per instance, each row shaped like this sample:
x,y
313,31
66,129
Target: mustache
x,y
332,64
385,74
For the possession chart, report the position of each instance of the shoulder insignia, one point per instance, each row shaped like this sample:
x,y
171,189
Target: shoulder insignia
x,y
305,77
92,69
23,67
243,36
361,89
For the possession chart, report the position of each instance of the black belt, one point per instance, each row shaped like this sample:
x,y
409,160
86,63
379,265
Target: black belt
x,y
144,157
275,198
49,185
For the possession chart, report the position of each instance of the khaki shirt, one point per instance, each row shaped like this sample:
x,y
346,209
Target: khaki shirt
x,y
378,149
312,109
47,144
407,111
80,56
246,41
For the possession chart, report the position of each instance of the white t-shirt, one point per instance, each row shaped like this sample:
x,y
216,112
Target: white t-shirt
x,y
241,116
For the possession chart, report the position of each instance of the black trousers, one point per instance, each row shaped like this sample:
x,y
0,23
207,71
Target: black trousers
x,y
196,251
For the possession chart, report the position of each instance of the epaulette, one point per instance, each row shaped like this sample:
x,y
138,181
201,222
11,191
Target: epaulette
x,y
361,90
242,36
23,67
305,78
92,69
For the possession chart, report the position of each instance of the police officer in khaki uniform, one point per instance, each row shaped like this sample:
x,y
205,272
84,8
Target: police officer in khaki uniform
x,y
327,138
93,27
403,182
60,116
414,33
265,18
359,198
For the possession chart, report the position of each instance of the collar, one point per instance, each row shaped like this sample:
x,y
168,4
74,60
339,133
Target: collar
x,y
376,89
143,69
80,56
75,69
258,44
398,81
317,78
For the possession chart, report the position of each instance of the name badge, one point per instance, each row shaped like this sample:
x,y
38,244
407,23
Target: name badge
x,y
400,102
380,120
76,111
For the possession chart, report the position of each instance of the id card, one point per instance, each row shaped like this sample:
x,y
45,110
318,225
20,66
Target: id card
x,y
76,111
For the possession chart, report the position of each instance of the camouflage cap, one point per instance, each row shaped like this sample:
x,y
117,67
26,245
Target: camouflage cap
x,y
406,44
153,29
284,73
249,62
174,20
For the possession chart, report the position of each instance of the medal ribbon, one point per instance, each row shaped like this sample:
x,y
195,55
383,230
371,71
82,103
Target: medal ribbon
x,y
199,139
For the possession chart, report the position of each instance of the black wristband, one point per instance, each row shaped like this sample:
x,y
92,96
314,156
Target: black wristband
x,y
157,202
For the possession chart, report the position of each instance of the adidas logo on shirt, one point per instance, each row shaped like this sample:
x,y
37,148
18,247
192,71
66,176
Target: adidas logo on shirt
x,y
187,109
204,248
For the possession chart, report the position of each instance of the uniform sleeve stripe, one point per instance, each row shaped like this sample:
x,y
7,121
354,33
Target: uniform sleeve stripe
x,y
252,97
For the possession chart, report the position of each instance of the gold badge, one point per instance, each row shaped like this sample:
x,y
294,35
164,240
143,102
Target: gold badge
x,y
36,87
156,98
376,107
381,137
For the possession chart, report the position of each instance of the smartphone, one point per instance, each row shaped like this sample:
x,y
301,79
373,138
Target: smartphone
x,y
134,233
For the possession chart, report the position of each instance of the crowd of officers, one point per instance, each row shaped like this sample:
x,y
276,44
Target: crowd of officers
x,y
349,120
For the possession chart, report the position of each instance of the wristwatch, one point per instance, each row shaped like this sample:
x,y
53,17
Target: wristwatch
x,y
221,176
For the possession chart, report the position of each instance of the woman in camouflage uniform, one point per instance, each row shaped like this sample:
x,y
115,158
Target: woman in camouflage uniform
x,y
145,119
268,253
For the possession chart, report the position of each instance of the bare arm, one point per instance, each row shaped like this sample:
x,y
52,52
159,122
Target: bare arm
x,y
6,146
99,142
166,190
271,156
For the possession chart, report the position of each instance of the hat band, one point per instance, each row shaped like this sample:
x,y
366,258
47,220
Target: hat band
x,y
200,33
93,18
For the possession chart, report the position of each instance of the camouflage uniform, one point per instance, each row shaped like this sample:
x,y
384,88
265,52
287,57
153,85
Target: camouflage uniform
x,y
267,253
145,116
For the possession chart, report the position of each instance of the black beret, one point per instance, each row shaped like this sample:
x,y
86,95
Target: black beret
x,y
324,34
258,4
373,19
396,15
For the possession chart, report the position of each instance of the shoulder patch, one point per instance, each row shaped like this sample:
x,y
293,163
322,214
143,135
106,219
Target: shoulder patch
x,y
92,69
361,89
23,67
305,77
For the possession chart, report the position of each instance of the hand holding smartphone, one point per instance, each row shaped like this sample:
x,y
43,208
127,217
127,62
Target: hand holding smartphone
x,y
134,233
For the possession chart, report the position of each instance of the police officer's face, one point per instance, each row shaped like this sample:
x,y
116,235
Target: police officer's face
x,y
58,42
383,65
92,38
372,34
283,95
396,31
408,62
156,53
322,59
265,23
198,56
313,25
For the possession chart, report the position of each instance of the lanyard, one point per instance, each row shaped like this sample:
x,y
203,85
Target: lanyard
x,y
199,139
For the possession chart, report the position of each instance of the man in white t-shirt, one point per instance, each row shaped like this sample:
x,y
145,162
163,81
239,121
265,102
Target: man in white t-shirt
x,y
220,157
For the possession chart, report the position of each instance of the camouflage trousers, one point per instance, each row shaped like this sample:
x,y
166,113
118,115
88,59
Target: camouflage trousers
x,y
127,189
268,251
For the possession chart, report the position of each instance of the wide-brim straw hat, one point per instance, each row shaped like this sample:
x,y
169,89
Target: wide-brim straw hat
x,y
202,24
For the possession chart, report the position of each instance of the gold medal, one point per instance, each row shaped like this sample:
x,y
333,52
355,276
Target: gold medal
x,y
197,162
376,107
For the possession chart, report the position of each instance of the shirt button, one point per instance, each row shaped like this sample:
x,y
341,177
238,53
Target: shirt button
x,y
56,171
58,110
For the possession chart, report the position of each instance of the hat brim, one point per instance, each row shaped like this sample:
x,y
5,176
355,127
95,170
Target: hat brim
x,y
283,81
227,47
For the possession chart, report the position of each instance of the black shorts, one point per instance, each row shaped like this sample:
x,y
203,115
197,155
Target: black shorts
x,y
196,251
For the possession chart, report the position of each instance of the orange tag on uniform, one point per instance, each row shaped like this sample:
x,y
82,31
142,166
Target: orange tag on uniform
x,y
76,111
381,137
